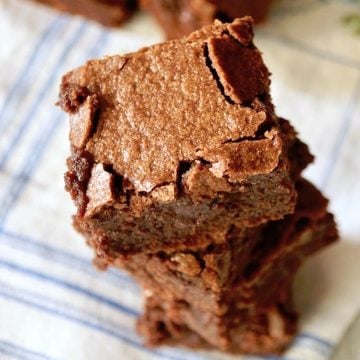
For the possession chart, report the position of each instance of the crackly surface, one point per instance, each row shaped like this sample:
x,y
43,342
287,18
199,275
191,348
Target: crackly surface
x,y
181,17
168,220
106,12
191,146
162,106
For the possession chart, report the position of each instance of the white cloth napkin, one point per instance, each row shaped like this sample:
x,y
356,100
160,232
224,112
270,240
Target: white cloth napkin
x,y
53,303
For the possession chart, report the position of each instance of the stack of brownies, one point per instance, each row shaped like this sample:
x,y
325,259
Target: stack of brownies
x,y
183,174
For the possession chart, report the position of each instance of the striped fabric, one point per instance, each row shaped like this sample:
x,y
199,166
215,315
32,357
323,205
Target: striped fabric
x,y
53,303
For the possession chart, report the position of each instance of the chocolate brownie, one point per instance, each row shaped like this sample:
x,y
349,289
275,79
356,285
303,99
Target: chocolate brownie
x,y
106,12
181,17
241,268
252,295
177,142
177,17
183,174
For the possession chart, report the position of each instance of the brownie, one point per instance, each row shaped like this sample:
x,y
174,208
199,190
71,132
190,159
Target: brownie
x,y
177,142
243,330
245,254
183,174
106,12
181,17
251,296
209,285
177,17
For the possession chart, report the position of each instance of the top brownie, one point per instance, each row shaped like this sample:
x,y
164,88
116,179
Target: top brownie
x,y
174,144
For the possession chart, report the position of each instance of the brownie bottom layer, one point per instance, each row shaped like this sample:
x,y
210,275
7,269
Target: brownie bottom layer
x,y
246,330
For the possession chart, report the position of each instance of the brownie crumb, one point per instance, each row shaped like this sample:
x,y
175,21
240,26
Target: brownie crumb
x,y
76,178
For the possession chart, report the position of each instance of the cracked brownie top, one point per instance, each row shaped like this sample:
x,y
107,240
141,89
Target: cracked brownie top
x,y
174,144
203,99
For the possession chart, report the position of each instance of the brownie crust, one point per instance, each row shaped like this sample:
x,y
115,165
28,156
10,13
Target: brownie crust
x,y
121,122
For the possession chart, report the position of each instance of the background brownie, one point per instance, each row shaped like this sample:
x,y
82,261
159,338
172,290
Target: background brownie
x,y
106,12
177,142
177,17
181,17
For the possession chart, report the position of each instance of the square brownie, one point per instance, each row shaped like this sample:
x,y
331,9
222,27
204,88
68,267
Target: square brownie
x,y
181,17
175,143
249,281
106,12
241,267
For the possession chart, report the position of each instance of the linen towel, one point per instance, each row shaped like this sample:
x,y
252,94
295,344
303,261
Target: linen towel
x,y
53,303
